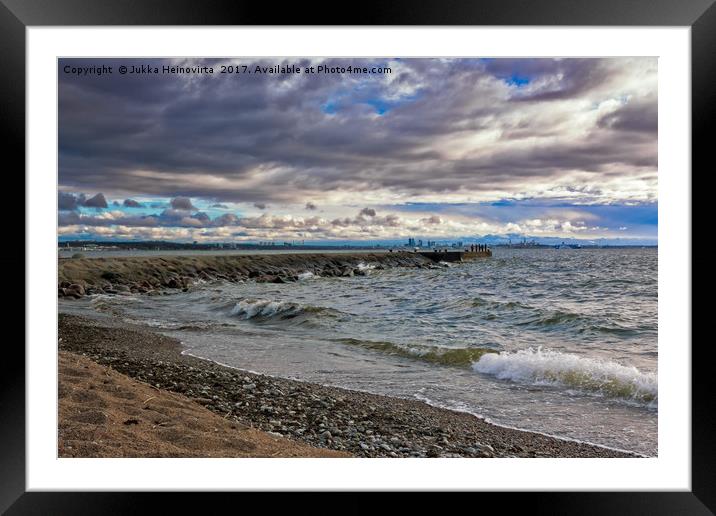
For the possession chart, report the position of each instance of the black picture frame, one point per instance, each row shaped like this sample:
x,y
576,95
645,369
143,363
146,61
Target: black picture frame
x,y
17,15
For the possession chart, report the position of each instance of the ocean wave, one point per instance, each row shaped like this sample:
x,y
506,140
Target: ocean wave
x,y
538,366
479,302
460,357
305,275
264,310
524,315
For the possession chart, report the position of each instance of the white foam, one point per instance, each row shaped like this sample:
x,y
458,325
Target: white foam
x,y
305,275
538,366
365,266
261,308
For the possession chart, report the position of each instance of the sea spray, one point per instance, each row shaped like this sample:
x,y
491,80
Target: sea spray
x,y
538,366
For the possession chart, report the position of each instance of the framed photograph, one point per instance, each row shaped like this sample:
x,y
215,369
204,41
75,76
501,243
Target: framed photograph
x,y
444,248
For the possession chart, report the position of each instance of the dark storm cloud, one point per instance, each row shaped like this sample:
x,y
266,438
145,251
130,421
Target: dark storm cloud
x,y
284,138
634,116
68,201
182,203
98,201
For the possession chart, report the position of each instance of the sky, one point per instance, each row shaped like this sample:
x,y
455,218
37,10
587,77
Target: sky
x,y
432,148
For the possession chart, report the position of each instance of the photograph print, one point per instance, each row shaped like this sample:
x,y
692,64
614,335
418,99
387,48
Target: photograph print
x,y
357,257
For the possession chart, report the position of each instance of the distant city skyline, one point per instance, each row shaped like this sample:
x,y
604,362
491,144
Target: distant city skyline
x,y
438,149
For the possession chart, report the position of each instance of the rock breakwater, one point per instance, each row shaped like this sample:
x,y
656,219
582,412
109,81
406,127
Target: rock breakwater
x,y
78,277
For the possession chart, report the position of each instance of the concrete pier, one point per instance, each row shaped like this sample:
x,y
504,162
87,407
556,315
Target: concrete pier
x,y
454,256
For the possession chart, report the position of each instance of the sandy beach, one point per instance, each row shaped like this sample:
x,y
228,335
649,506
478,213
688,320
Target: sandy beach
x,y
104,413
128,391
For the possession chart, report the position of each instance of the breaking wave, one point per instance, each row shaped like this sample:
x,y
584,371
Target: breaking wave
x,y
538,366
264,310
460,357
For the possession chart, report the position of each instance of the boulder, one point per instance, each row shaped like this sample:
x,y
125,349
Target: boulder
x,y
270,279
111,276
77,288
175,283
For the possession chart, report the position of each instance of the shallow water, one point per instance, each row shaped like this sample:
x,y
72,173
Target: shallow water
x,y
558,341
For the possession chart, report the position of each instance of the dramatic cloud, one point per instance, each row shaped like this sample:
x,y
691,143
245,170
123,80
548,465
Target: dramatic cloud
x,y
68,201
182,203
446,132
98,201
176,224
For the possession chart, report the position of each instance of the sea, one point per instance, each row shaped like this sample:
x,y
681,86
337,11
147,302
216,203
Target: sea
x,y
558,341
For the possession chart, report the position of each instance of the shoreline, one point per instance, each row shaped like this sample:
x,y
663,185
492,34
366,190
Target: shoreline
x,y
333,418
